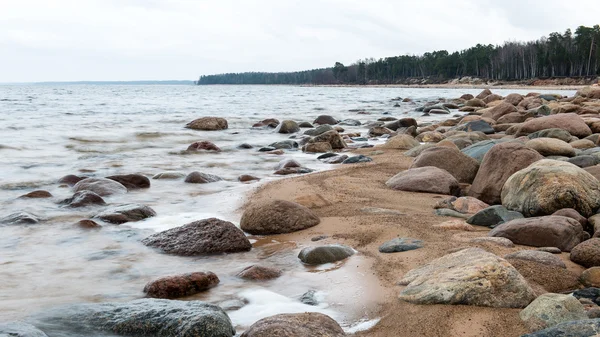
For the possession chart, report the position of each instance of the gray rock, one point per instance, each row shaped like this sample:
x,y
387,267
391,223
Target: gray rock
x,y
557,133
287,126
493,216
285,145
201,178
318,130
308,324
309,298
400,245
582,328
479,125
144,317
550,309
19,218
126,213
336,160
101,186
357,159
451,213
537,256
478,150
173,175
83,199
20,329
350,122
583,161
325,254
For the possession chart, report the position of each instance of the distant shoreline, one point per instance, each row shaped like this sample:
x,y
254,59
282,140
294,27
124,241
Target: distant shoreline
x,y
455,86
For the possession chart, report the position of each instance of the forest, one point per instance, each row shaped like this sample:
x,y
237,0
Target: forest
x,y
570,54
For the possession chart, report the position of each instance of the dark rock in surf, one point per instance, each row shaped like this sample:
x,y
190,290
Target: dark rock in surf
x,y
126,213
131,181
176,286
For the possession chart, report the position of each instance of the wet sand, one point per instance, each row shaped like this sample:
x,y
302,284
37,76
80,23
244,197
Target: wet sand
x,y
346,199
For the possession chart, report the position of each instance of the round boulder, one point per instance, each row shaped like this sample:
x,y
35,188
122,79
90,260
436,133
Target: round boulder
x,y
325,119
101,186
259,273
458,164
176,286
587,253
131,181
277,217
287,126
325,254
551,147
308,324
208,124
427,179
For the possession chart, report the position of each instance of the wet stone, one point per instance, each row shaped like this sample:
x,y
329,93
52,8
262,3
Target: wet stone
x,y
400,245
309,298
357,159
19,218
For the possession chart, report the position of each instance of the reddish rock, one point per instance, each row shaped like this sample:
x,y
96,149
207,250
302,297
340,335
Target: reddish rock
x,y
427,179
88,224
573,214
513,99
259,273
246,178
308,324
70,179
208,124
458,164
485,93
201,178
269,122
177,286
277,217
587,253
570,122
498,111
287,163
131,181
37,195
203,146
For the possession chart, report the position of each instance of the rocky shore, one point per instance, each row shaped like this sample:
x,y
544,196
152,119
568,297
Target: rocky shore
x,y
485,223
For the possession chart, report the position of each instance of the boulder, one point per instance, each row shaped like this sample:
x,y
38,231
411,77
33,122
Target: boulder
x,y
401,142
285,145
204,146
259,273
480,126
378,131
287,126
88,224
547,186
400,245
19,218
513,99
583,161
208,236
269,122
173,175
485,93
325,254
550,309
427,179
143,317
416,151
332,137
201,178
131,181
478,150
587,253
40,194
277,217
308,324
493,216
321,147
589,92
471,276
498,164
514,117
244,178
551,147
287,163
582,144
581,328
126,213
430,137
591,277
357,159
177,286
561,134
536,256
461,166
20,329
325,119
318,130
208,124
573,214
101,186
547,231
70,180
569,122
498,111
83,199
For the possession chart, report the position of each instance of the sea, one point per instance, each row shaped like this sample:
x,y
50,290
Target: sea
x,y
52,130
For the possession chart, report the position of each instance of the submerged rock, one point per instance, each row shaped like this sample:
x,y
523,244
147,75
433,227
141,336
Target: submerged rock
x,y
208,236
308,324
259,273
201,178
176,286
169,175
101,186
19,218
126,213
20,329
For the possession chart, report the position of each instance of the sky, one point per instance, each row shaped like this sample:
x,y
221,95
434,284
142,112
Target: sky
x,y
101,40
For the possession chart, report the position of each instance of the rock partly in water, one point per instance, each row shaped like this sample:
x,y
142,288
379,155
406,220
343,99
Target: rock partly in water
x,y
400,245
277,217
287,126
357,159
101,186
131,181
37,195
308,324
471,276
20,329
173,175
19,218
203,146
259,273
325,254
201,178
83,199
550,309
126,213
208,236
208,124
176,286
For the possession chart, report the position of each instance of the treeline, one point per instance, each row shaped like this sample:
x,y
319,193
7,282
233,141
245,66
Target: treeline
x,y
558,55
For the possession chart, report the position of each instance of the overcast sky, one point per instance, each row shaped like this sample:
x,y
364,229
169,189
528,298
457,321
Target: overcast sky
x,y
68,40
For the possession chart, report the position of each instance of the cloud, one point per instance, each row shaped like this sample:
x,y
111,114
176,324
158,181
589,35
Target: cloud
x,y
181,39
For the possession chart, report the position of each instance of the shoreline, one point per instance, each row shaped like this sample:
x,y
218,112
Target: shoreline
x,y
454,86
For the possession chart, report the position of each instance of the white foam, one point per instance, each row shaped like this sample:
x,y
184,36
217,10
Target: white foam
x,y
264,303
362,326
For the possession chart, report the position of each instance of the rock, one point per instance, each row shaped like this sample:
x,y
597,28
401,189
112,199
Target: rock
x,y
583,161
460,225
325,119
332,137
401,142
468,205
20,329
414,152
547,186
592,294
551,250
101,186
461,166
87,224
582,144
204,146
485,93
467,97
325,254
19,218
287,163
131,181
259,273
498,111
471,276
183,285
551,147
451,213
569,122
247,178
293,170
277,217
350,122
554,231
288,126
589,92
478,150
308,324
70,180
480,126
169,175
498,164
208,124
318,130
40,194
429,137
83,199
269,122
309,298
549,310
514,117
338,159
573,214
322,147
400,245
475,102
201,178
504,242
493,216
591,277
285,145
357,159
378,131
245,146
587,253
513,99
208,236
581,328
143,317
126,213
536,256
561,134
425,179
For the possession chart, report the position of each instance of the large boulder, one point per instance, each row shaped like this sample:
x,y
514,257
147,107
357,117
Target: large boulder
x,y
471,276
493,216
208,124
176,286
498,111
587,253
546,231
101,186
581,328
570,122
332,137
551,309
402,142
144,317
277,217
131,181
325,119
556,133
458,164
589,92
547,186
325,254
513,99
308,324
126,213
20,329
498,164
427,179
478,150
83,199
287,126
208,236
551,147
